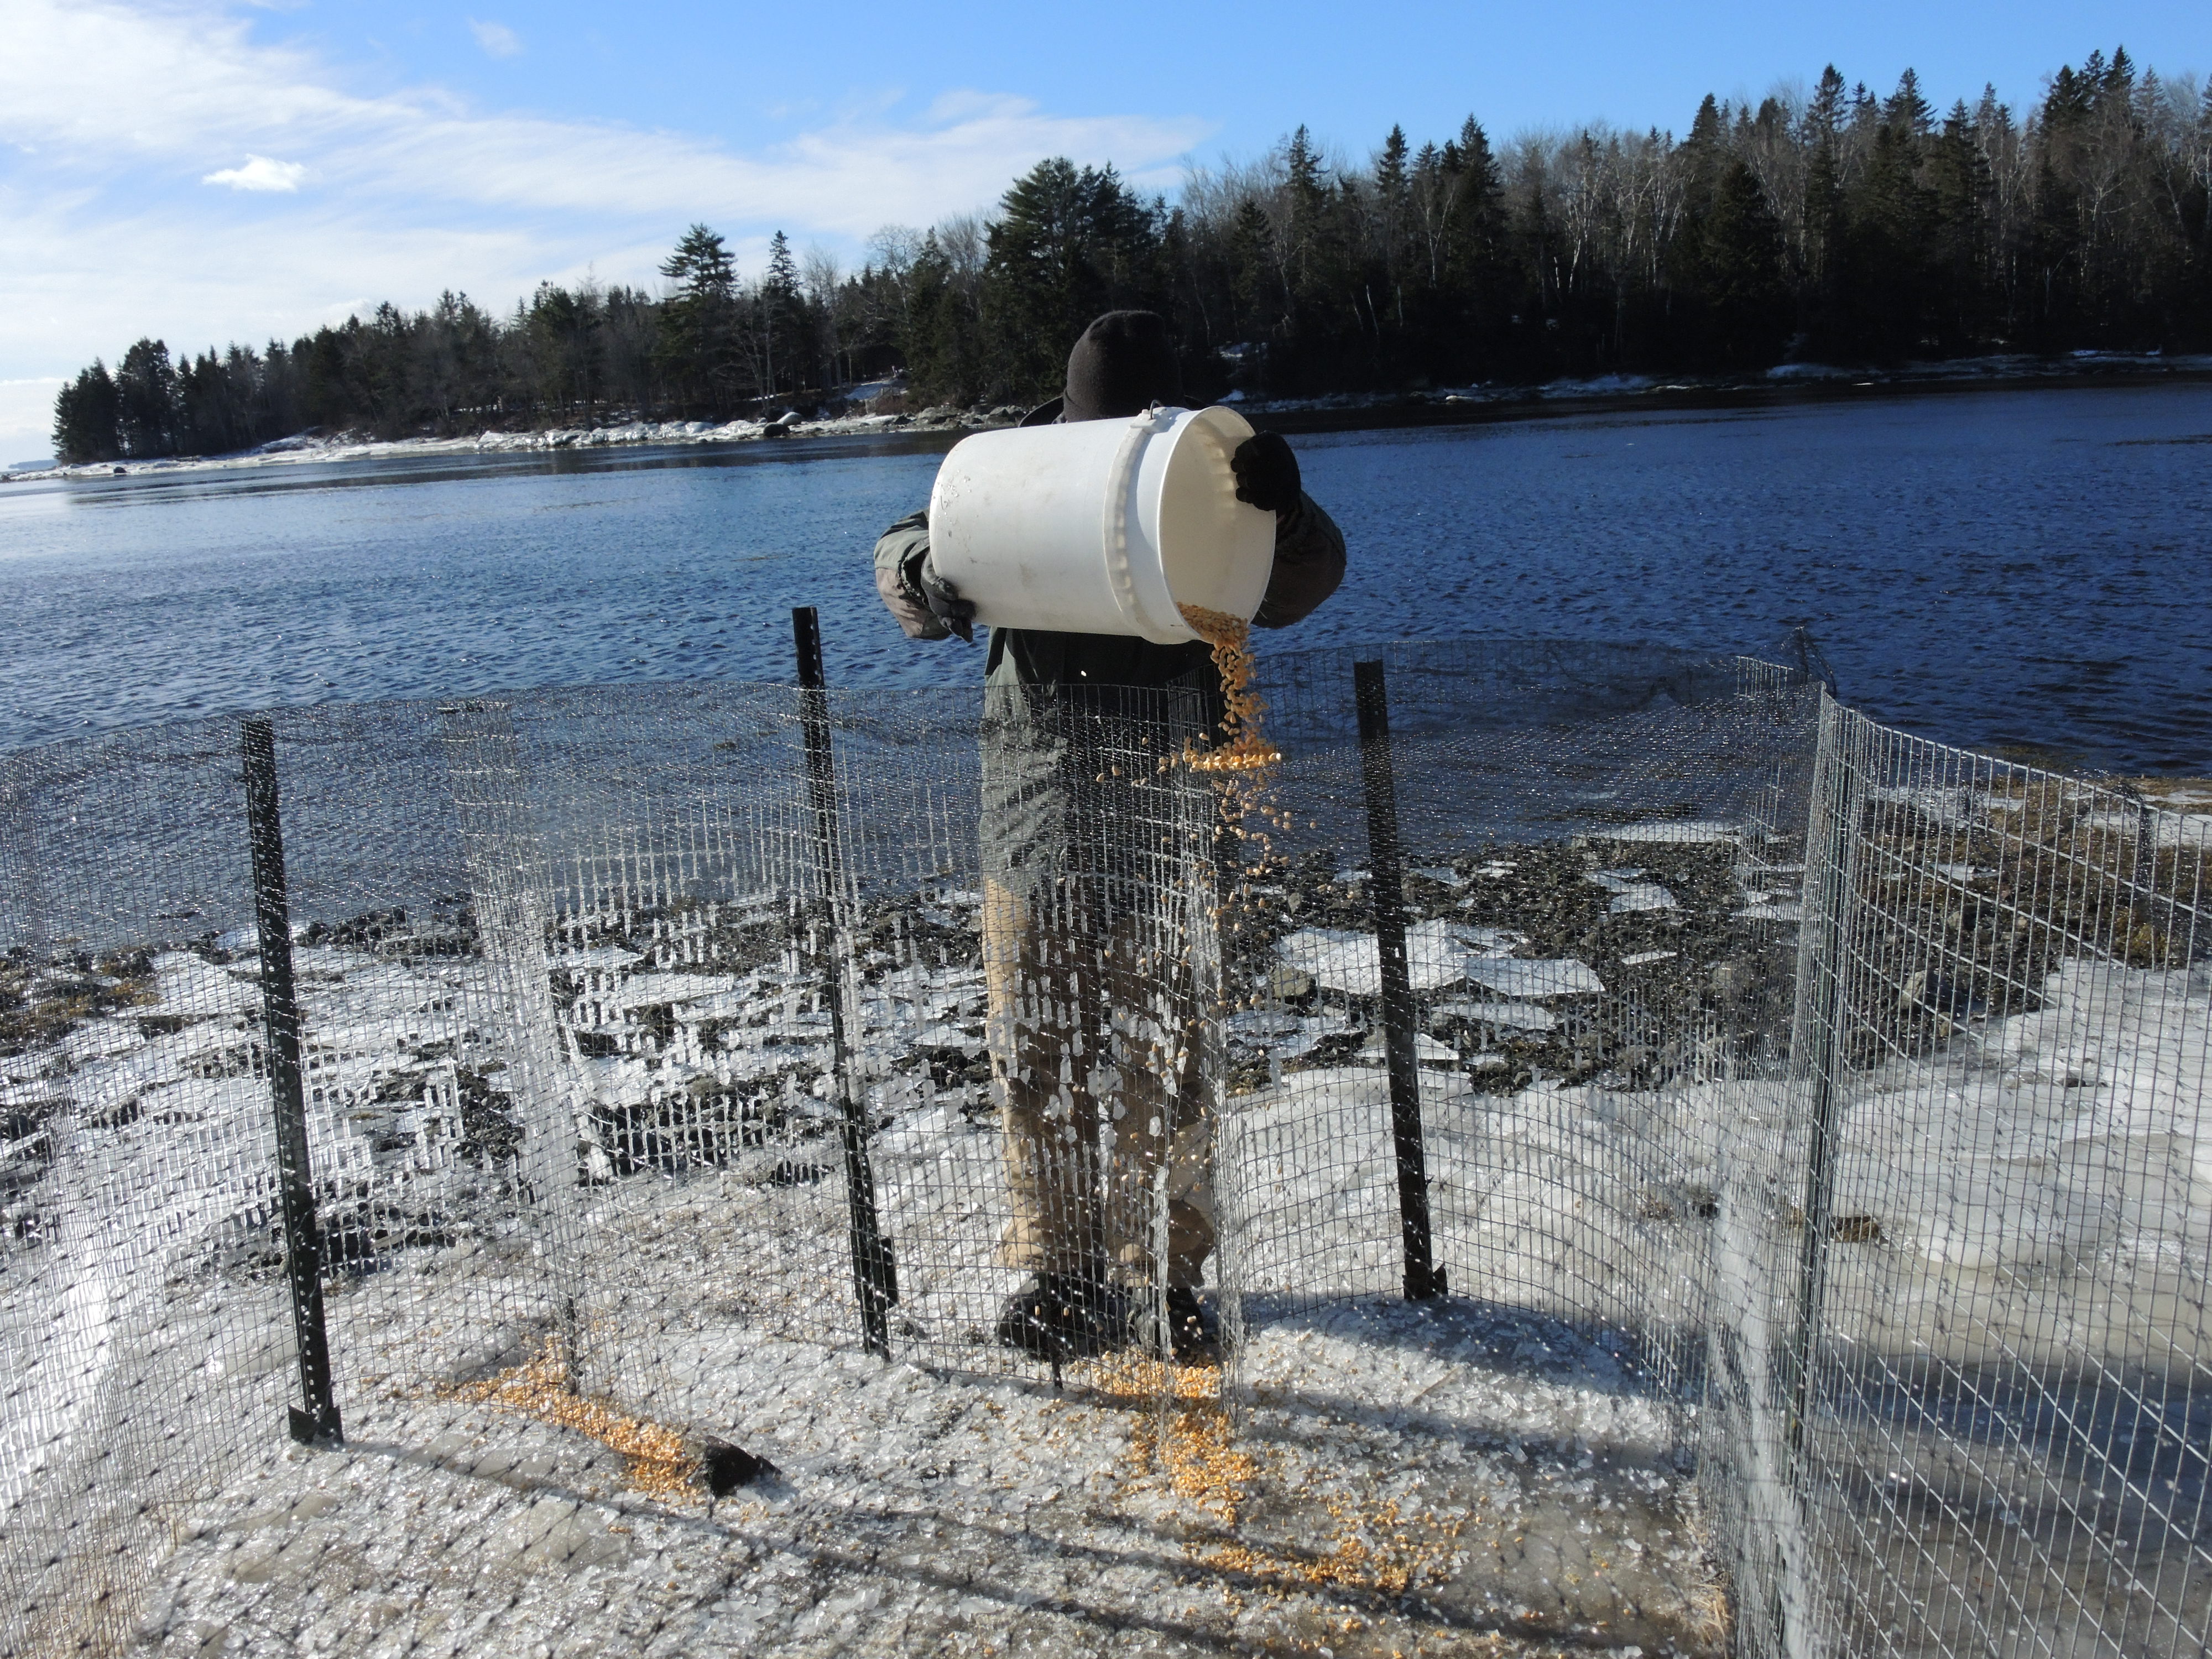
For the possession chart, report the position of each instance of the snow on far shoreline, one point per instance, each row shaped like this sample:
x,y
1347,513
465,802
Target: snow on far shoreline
x,y
347,446
2006,369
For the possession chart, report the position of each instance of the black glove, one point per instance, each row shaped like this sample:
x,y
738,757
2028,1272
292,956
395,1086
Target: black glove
x,y
1267,472
945,604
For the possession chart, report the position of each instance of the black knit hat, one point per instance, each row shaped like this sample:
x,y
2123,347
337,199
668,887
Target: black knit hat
x,y
1123,365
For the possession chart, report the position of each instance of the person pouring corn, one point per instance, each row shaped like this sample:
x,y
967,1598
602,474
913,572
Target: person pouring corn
x,y
1094,1027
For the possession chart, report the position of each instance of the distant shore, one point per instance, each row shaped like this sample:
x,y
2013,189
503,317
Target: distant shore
x,y
1341,411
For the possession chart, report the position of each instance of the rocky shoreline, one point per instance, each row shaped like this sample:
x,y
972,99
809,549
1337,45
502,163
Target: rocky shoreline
x,y
1335,411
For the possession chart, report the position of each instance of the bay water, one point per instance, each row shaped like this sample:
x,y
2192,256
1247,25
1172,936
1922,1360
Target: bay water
x,y
2028,570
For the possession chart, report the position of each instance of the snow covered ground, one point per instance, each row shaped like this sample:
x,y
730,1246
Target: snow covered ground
x,y
1423,1475
623,434
2029,1201
1444,1477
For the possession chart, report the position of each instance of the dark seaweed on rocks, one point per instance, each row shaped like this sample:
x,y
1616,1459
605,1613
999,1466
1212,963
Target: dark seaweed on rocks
x,y
41,1002
1703,974
490,1134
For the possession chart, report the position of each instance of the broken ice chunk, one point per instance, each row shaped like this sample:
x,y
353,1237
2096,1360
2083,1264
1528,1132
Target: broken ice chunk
x,y
1562,977
1670,831
1427,1051
1347,962
1778,910
1438,954
1481,941
1515,1016
1630,894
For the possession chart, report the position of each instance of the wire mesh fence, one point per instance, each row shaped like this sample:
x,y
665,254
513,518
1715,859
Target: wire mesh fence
x,y
1829,1098
1966,1405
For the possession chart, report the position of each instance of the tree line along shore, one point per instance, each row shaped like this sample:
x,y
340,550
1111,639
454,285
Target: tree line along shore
x,y
1832,226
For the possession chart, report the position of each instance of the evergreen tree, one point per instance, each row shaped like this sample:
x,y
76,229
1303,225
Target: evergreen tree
x,y
1958,179
1254,280
944,337
2087,222
1824,110
1741,276
1704,157
563,333
146,398
1473,287
783,321
1067,245
88,416
1906,110
1891,223
1393,193
699,320
1306,187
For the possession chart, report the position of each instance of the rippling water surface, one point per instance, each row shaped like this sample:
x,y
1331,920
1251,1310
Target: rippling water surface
x,y
2019,568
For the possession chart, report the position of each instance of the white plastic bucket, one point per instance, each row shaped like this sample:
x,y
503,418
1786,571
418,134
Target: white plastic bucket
x,y
1103,526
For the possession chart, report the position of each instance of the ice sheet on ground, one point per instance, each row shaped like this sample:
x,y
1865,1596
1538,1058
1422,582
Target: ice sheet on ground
x,y
2068,1145
1427,1051
2191,831
1779,909
1561,976
1439,953
1629,893
1670,831
1520,1016
1512,1470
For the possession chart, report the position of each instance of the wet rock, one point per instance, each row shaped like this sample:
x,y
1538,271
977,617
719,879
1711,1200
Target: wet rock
x,y
729,1467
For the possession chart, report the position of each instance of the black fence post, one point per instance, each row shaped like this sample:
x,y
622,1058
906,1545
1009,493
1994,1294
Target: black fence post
x,y
280,1017
1387,886
875,1276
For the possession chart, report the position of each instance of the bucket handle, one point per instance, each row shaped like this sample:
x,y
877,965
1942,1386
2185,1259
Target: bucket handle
x,y
1119,481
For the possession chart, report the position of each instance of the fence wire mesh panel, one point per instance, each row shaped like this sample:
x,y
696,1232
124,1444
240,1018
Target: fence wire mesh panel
x,y
772,1003
1592,1145
147,1326
1515,933
1972,1265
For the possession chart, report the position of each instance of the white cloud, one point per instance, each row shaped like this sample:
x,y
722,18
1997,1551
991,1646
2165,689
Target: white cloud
x,y
496,38
110,235
71,65
259,172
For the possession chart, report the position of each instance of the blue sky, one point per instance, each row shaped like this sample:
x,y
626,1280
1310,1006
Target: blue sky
x,y
204,171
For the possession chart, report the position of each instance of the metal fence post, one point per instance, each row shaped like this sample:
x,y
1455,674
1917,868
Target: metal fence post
x,y
1836,785
1387,883
875,1276
280,1015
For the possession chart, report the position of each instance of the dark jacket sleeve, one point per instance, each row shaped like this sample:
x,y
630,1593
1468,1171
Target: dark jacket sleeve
x,y
899,555
1308,565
